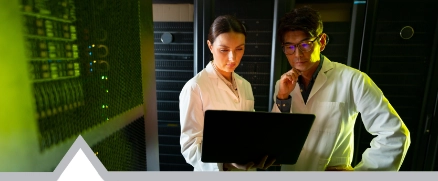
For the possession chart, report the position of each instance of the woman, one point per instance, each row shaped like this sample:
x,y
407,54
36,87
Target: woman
x,y
216,87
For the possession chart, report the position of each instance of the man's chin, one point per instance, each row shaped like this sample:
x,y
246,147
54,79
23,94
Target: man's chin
x,y
300,68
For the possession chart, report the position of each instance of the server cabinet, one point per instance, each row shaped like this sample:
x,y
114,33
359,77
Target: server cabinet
x,y
174,66
399,54
87,71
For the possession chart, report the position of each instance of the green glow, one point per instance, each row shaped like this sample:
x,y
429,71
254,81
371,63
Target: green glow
x,y
18,126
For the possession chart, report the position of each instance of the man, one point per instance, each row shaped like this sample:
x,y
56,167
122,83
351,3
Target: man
x,y
335,93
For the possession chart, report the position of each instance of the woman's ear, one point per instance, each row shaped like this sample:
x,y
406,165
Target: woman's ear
x,y
324,41
209,46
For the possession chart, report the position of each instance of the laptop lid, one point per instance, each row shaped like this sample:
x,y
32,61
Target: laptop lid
x,y
245,136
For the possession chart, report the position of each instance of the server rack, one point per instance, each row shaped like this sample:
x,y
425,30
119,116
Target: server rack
x,y
174,60
402,63
84,61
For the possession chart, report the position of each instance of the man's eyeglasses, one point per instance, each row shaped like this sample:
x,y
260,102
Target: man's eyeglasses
x,y
304,46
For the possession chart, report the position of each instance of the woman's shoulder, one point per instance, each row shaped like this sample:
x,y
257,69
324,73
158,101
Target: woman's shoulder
x,y
198,80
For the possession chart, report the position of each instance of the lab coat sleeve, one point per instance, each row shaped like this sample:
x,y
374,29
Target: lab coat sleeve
x,y
274,107
192,123
388,149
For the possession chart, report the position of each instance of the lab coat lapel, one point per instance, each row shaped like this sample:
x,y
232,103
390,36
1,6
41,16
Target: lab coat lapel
x,y
296,93
221,85
239,84
321,79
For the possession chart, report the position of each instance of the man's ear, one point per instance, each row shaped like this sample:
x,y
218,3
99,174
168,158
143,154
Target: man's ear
x,y
324,41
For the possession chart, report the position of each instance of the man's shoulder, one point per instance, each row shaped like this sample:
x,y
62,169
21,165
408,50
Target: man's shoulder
x,y
342,68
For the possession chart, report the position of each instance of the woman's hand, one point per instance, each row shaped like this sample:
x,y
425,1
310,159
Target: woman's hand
x,y
264,164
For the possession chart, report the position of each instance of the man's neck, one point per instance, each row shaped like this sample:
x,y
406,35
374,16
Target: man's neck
x,y
306,76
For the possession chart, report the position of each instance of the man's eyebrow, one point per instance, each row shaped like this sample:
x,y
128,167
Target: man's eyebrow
x,y
299,41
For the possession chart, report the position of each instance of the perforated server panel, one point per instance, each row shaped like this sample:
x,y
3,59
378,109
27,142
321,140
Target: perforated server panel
x,y
85,66
174,67
125,149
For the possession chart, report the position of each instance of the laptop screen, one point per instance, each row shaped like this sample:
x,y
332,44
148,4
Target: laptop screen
x,y
245,136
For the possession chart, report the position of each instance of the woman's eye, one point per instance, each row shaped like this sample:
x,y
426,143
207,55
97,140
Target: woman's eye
x,y
223,50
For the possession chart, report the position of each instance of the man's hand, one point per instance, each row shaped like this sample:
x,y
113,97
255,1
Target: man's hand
x,y
340,168
288,82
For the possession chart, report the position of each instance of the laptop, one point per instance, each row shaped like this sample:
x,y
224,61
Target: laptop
x,y
245,136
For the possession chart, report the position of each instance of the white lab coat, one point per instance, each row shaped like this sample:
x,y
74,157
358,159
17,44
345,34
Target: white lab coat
x,y
206,91
338,95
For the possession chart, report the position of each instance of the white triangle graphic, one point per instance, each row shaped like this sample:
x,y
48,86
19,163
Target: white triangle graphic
x,y
80,168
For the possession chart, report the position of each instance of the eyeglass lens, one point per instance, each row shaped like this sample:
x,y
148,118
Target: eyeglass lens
x,y
304,46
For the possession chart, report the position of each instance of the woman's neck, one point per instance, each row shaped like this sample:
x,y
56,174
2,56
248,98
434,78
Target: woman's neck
x,y
226,75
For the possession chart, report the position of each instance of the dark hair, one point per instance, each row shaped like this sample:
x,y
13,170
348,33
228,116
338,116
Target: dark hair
x,y
225,24
301,19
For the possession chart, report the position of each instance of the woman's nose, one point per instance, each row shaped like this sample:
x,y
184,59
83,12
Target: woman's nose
x,y
232,55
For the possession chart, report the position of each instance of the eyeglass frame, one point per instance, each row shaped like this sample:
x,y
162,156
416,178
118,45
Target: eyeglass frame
x,y
299,47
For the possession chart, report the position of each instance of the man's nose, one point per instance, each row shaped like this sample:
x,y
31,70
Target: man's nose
x,y
298,52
